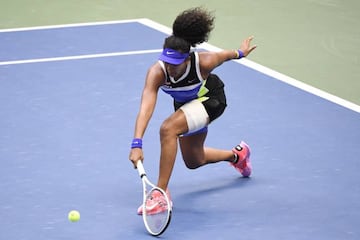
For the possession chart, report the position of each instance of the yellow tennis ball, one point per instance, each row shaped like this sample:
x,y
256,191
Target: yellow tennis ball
x,y
74,216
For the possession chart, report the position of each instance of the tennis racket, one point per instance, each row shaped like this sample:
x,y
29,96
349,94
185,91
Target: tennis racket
x,y
154,198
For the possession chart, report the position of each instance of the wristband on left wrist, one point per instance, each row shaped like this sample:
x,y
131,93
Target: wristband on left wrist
x,y
240,54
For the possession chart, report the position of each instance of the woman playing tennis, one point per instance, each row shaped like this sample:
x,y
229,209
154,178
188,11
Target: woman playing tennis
x,y
198,95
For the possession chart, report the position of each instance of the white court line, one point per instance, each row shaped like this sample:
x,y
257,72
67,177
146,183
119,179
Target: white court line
x,y
77,57
67,25
167,30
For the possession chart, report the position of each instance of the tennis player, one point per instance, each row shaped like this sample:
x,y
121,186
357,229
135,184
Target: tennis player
x,y
198,95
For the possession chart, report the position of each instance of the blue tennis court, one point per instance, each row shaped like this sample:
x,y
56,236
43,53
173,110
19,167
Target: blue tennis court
x,y
69,98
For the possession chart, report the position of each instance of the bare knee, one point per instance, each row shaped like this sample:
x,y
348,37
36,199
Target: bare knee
x,y
193,163
167,129
192,166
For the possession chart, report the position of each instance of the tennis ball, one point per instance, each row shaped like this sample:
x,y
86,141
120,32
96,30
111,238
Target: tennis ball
x,y
74,216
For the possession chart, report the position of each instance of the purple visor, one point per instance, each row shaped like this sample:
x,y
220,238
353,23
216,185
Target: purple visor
x,y
172,56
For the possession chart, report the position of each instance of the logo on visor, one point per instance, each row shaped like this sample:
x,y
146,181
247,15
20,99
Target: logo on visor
x,y
170,52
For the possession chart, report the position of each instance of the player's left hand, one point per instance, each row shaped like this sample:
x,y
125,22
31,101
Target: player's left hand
x,y
246,47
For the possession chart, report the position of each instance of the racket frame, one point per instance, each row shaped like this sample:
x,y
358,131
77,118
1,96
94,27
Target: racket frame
x,y
145,183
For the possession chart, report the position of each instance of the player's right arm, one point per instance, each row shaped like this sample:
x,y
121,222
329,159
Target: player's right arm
x,y
154,79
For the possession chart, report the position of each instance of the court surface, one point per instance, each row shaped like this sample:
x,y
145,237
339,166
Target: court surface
x,y
69,96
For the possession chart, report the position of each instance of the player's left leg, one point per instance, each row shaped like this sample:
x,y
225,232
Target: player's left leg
x,y
196,155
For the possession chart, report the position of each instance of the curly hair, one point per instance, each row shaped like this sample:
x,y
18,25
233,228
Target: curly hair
x,y
194,25
191,27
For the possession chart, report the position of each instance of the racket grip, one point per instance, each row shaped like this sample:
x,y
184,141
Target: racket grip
x,y
140,168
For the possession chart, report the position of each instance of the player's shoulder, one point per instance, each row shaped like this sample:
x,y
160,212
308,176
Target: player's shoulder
x,y
156,72
205,58
156,67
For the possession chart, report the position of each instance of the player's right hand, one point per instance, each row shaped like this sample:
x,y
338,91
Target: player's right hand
x,y
135,155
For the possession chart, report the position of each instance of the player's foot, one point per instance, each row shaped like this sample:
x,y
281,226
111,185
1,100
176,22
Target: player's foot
x,y
242,164
156,204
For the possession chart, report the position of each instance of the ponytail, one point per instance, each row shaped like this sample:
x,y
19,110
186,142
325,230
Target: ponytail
x,y
194,25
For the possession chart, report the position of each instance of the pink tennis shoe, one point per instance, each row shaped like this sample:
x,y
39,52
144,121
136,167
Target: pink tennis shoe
x,y
243,164
156,204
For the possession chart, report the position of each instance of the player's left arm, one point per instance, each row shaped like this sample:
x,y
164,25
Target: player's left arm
x,y
211,60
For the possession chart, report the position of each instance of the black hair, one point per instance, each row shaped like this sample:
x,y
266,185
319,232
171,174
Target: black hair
x,y
191,27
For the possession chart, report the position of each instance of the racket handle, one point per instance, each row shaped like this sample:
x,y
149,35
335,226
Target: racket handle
x,y
140,168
